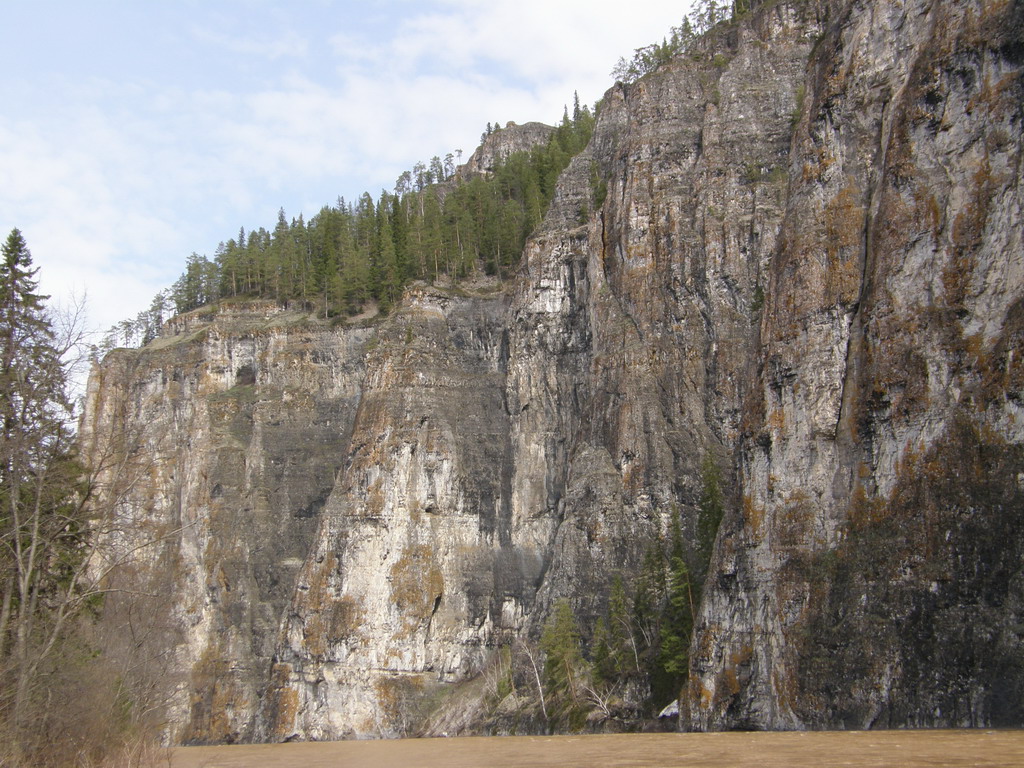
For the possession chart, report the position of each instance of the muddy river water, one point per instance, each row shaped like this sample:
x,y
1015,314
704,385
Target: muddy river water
x,y
862,749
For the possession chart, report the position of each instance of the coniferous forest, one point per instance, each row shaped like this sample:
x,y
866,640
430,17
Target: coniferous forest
x,y
438,222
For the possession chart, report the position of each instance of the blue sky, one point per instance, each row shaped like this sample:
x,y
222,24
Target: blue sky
x,y
134,133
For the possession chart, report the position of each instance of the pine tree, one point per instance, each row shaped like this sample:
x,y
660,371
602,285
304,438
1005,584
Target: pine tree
x,y
301,283
564,666
282,256
386,273
603,662
27,338
650,586
677,622
437,169
616,654
198,285
322,235
354,278
621,641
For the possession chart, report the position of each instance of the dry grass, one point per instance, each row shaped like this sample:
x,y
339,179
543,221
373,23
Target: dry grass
x,y
859,749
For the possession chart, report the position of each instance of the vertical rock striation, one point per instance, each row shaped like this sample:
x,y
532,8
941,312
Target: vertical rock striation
x,y
623,357
664,278
871,576
216,446
794,251
399,591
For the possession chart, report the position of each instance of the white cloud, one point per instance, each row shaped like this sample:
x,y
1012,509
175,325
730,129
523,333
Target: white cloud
x,y
67,202
115,180
538,40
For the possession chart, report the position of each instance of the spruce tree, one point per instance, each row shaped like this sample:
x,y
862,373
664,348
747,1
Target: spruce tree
x,y
27,338
650,586
621,641
42,533
677,621
564,667
709,515
386,273
605,670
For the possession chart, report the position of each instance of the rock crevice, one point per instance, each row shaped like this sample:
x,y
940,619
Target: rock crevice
x,y
795,250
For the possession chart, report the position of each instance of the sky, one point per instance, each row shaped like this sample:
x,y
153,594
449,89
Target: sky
x,y
136,132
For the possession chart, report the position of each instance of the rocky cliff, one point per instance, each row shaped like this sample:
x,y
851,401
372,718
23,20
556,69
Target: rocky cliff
x,y
497,146
218,445
871,574
794,251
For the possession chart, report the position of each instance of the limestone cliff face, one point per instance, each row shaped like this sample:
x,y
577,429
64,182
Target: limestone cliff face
x,y
795,252
398,593
659,289
218,445
871,575
587,398
497,146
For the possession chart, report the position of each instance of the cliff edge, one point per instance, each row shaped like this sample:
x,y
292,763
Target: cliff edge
x,y
792,253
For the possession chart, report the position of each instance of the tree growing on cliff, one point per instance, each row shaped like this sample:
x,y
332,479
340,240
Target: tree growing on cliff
x,y
616,654
565,669
681,599
650,57
435,224
704,14
709,513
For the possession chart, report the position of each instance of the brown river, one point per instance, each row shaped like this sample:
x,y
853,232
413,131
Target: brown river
x,y
906,749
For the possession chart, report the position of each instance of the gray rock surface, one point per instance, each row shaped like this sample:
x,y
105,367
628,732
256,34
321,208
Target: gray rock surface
x,y
796,251
218,445
502,142
871,574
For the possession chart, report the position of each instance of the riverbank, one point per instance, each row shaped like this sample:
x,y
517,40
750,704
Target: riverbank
x,y
858,749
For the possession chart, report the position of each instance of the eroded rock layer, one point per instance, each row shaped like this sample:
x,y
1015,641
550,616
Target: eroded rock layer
x,y
794,251
871,574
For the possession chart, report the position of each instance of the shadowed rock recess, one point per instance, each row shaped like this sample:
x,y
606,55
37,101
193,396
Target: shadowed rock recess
x,y
797,248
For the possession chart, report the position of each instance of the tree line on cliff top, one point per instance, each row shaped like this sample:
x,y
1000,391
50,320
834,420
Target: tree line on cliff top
x,y
436,223
704,14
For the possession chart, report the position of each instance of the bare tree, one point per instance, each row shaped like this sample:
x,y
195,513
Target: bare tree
x,y
532,656
42,532
56,692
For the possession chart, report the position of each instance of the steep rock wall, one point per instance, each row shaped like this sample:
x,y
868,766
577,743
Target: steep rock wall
x,y
405,581
588,395
217,446
495,147
871,575
795,251
664,277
